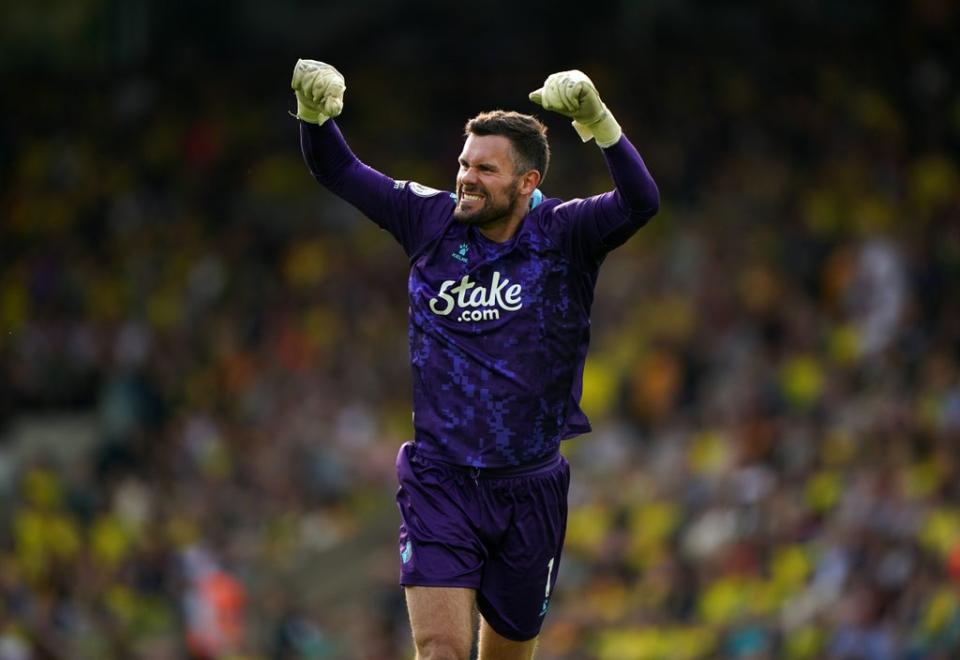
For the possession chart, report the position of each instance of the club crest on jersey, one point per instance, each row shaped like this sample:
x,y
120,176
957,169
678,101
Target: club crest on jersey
x,y
473,302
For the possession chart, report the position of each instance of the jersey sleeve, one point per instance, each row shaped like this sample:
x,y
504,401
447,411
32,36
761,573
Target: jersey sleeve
x,y
587,229
412,213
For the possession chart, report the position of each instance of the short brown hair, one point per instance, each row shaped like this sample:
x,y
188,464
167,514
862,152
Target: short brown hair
x,y
526,133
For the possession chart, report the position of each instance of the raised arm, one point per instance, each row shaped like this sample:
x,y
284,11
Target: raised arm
x,y
596,225
319,89
407,212
333,164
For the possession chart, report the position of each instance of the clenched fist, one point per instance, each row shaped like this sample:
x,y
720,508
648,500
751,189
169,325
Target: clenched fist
x,y
319,89
573,94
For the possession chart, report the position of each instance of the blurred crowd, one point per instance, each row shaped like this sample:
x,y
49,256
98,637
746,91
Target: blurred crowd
x,y
774,378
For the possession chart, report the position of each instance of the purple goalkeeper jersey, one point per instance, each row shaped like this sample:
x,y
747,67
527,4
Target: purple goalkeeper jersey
x,y
498,331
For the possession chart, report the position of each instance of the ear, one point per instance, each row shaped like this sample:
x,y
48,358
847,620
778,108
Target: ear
x,y
529,182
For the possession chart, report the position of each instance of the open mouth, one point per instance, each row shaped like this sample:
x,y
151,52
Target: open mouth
x,y
470,195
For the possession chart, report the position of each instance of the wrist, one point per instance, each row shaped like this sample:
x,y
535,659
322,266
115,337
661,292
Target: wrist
x,y
310,115
604,129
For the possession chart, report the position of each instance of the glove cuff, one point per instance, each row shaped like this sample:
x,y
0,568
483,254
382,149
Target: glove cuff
x,y
310,115
605,130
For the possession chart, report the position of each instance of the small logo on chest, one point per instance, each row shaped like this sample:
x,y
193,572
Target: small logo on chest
x,y
461,253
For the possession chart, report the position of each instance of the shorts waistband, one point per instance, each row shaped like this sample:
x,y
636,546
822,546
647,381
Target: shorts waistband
x,y
527,469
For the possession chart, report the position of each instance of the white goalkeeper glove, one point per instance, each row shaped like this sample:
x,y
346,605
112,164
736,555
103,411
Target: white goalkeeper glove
x,y
573,94
319,89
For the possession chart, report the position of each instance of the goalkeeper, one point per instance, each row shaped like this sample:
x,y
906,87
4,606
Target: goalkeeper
x,y
501,283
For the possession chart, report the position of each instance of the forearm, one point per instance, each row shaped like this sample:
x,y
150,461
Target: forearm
x,y
326,153
335,166
636,195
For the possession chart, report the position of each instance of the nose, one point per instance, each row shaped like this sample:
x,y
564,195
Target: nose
x,y
468,175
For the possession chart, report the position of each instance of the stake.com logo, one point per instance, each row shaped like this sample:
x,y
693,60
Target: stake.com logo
x,y
480,304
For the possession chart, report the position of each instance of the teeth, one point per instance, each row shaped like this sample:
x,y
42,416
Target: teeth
x,y
472,198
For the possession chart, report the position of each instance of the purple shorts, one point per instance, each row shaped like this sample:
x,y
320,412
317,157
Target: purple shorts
x,y
498,531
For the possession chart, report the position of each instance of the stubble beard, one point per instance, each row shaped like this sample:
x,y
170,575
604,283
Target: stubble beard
x,y
490,214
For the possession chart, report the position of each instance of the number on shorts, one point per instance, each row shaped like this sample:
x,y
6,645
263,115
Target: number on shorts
x,y
549,574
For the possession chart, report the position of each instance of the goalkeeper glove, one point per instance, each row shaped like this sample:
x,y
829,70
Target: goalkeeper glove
x,y
572,93
319,89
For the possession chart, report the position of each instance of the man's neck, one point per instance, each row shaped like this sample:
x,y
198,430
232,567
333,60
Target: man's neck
x,y
503,230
